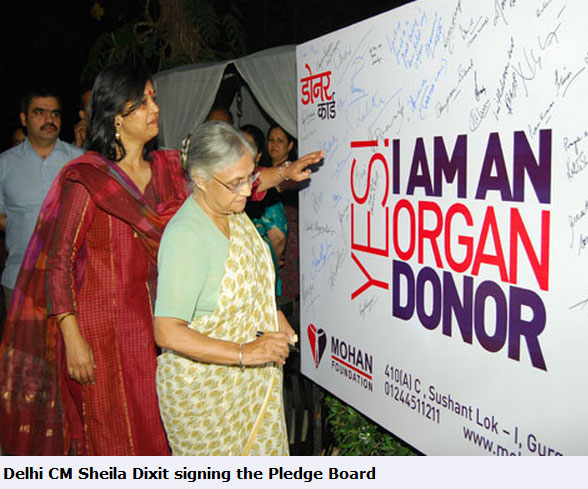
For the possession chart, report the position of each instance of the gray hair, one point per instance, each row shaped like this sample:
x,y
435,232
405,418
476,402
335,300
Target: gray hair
x,y
212,146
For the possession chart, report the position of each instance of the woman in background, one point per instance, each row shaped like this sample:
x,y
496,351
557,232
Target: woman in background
x,y
268,215
281,148
78,358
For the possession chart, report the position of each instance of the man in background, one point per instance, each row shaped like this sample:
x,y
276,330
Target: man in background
x,y
18,136
220,113
26,173
80,129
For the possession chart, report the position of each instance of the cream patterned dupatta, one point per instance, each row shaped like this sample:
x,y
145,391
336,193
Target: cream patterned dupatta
x,y
212,409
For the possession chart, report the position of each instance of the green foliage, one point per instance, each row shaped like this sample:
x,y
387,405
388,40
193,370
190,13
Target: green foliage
x,y
202,13
355,434
235,34
221,26
110,47
217,33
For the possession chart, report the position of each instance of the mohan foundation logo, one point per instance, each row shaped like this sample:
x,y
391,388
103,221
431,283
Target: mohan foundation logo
x,y
318,343
347,359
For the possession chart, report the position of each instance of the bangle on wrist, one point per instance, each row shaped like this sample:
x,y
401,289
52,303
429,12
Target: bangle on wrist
x,y
241,356
281,169
67,314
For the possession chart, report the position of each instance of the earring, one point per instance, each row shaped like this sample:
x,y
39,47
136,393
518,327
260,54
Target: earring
x,y
117,131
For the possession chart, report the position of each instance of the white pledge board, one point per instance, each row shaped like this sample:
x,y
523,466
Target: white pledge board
x,y
444,241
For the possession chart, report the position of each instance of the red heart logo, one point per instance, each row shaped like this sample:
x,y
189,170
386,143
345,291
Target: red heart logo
x,y
318,342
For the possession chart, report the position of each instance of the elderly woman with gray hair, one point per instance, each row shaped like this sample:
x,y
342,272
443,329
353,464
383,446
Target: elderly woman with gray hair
x,y
219,377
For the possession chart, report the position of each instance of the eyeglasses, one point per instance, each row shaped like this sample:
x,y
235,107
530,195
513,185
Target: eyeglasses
x,y
237,187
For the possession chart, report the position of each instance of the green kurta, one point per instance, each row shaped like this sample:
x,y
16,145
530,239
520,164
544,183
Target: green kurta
x,y
191,263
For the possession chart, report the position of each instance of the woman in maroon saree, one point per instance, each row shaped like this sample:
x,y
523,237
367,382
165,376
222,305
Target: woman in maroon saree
x,y
77,361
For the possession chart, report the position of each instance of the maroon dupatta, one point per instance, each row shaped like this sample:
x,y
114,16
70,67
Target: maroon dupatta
x,y
34,396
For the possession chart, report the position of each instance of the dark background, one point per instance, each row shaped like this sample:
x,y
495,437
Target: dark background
x,y
47,43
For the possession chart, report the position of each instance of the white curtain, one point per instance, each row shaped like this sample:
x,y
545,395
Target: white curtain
x,y
271,75
185,96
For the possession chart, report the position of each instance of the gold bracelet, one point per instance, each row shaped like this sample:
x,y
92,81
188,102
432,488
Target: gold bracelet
x,y
67,314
